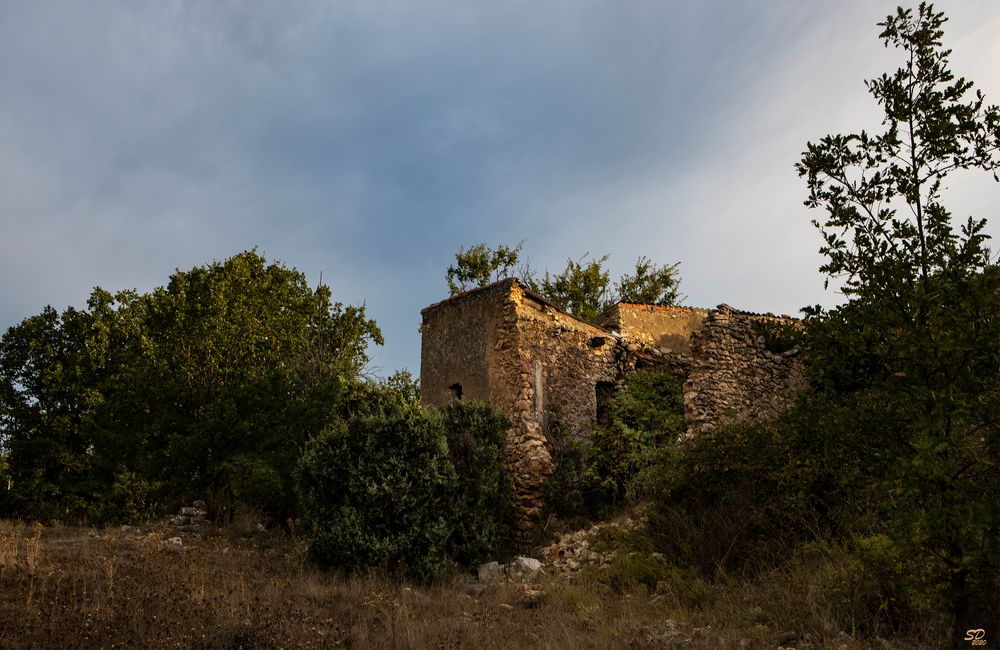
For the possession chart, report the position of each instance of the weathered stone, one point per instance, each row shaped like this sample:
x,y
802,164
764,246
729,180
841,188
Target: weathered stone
x,y
546,370
489,572
526,567
530,598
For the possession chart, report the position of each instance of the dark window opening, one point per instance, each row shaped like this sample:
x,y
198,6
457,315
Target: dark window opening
x,y
597,341
456,391
604,391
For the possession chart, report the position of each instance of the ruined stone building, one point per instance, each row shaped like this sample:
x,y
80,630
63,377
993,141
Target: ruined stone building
x,y
504,345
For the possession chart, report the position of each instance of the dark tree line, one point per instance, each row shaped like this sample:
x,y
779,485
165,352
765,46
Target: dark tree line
x,y
205,388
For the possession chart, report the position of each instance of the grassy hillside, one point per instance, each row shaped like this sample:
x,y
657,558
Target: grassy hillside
x,y
72,587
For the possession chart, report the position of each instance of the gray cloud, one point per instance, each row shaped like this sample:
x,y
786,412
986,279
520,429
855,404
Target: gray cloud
x,y
370,141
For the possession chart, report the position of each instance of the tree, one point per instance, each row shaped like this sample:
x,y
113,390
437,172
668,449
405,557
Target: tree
x,y
918,340
480,265
206,387
582,289
651,284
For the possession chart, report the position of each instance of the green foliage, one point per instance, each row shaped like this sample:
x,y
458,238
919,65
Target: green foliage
x,y
582,289
594,477
651,284
375,492
132,498
407,490
483,500
920,333
404,385
480,265
718,500
779,336
566,492
206,387
892,456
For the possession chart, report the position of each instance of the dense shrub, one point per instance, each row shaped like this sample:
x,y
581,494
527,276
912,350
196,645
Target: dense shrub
x,y
483,509
412,491
750,497
375,492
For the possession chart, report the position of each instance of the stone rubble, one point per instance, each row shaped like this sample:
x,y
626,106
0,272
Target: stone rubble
x,y
521,569
573,551
192,519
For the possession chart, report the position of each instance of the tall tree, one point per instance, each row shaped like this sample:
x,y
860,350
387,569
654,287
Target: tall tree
x,y
919,335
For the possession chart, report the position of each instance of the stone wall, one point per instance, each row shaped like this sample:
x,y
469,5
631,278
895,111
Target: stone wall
x,y
458,346
667,328
504,345
560,360
734,377
659,335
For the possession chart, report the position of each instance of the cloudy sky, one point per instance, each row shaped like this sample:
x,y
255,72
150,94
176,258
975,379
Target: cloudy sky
x,y
368,141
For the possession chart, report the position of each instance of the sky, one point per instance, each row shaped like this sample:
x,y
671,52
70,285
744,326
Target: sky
x,y
369,141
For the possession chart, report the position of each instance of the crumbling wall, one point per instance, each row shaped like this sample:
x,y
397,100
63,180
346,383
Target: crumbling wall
x,y
506,346
558,363
530,360
668,328
657,334
734,376
458,346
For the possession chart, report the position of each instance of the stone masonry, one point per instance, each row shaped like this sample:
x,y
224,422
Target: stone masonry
x,y
733,376
504,345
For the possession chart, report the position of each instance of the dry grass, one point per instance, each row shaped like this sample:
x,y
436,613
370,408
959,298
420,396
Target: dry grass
x,y
74,588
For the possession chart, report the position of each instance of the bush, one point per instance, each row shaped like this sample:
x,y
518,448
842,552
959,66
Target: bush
x,y
483,504
411,491
594,477
375,492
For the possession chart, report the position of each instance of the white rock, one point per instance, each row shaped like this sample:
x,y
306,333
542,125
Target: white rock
x,y
489,572
526,565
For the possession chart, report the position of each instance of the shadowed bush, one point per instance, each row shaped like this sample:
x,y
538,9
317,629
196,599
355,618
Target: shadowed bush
x,y
414,492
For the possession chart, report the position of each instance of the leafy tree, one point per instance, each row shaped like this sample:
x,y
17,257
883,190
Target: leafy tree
x,y
651,284
208,386
51,369
480,265
581,289
919,336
